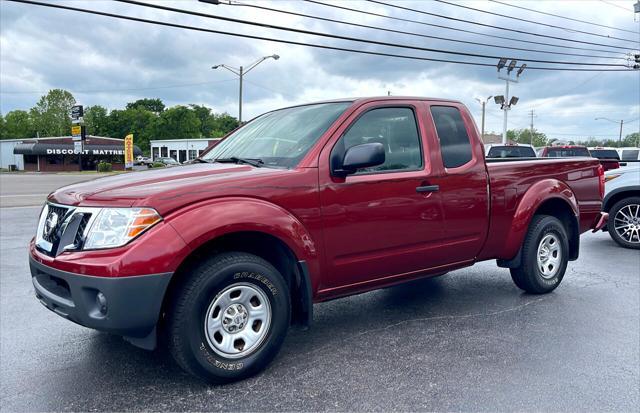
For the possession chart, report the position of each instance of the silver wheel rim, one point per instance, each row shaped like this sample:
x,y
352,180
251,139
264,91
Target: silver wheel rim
x,y
238,320
549,256
627,223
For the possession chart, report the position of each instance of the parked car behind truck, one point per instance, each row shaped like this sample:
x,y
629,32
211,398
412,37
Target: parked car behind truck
x,y
569,151
302,205
622,202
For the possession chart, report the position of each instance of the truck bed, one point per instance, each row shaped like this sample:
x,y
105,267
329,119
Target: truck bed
x,y
511,179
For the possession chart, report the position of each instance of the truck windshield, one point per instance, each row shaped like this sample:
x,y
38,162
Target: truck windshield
x,y
280,138
511,152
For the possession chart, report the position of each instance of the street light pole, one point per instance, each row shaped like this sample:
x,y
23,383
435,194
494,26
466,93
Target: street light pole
x,y
484,104
505,109
240,72
505,101
241,75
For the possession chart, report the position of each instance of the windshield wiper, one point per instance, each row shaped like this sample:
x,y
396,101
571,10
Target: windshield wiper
x,y
249,161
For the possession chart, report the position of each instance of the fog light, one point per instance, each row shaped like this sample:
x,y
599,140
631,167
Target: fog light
x,y
101,300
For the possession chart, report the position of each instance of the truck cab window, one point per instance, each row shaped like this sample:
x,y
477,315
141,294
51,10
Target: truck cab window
x,y
395,129
455,145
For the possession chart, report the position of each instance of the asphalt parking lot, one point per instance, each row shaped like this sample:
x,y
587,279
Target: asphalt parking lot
x,y
23,189
467,341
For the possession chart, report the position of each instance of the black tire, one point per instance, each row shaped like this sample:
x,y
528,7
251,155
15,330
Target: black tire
x,y
633,202
186,337
528,276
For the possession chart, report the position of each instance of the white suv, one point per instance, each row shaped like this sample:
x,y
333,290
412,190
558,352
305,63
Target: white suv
x,y
622,202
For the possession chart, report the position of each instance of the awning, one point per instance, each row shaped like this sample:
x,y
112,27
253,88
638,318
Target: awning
x,y
68,149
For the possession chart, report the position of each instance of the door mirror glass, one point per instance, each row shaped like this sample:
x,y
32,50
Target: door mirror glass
x,y
365,155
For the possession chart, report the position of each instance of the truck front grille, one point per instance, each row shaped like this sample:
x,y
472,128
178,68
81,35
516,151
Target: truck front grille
x,y
53,223
79,239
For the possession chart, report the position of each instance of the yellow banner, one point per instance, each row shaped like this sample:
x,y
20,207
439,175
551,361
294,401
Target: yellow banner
x,y
128,151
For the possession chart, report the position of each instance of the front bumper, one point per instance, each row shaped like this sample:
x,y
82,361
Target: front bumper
x,y
132,303
600,221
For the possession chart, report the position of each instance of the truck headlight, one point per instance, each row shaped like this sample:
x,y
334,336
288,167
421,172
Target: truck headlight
x,y
114,227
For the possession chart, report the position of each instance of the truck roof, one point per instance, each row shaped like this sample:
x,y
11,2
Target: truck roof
x,y
361,100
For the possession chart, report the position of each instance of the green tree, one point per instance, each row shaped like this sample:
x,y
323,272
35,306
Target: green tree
x,y
52,114
632,139
213,125
152,105
525,136
18,125
96,119
138,121
178,122
225,124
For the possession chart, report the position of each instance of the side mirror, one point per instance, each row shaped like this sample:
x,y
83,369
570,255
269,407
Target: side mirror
x,y
361,156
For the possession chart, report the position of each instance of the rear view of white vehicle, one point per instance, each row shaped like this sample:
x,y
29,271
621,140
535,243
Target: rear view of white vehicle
x,y
629,154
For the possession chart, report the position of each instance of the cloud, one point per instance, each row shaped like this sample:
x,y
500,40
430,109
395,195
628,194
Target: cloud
x,y
111,62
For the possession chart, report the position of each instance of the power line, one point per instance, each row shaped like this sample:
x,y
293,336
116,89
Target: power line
x,y
535,22
561,17
440,26
495,27
32,92
615,5
357,39
348,23
292,42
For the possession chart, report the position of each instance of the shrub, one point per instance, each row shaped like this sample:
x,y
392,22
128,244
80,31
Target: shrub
x,y
104,167
157,165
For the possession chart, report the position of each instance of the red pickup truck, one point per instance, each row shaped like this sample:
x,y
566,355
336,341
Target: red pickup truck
x,y
302,205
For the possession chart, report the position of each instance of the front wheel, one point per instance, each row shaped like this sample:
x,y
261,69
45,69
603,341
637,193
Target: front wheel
x,y
624,222
545,253
230,317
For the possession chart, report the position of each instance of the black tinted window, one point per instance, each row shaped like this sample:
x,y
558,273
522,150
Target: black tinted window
x,y
395,129
511,152
454,140
567,152
604,153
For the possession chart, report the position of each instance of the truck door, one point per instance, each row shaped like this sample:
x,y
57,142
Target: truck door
x,y
383,221
463,182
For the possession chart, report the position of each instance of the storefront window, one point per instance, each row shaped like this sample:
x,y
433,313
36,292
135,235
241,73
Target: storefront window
x,y
55,159
193,154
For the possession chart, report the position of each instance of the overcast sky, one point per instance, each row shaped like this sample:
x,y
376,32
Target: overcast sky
x,y
110,62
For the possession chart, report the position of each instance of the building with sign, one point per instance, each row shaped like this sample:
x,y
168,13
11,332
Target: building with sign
x,y
180,149
56,154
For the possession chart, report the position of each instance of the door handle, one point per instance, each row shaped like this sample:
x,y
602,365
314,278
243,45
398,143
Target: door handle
x,y
428,188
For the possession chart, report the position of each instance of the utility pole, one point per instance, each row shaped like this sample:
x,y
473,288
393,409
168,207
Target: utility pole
x,y
621,125
240,72
484,104
505,101
532,114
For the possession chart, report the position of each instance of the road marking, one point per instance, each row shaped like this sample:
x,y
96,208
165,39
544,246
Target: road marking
x,y
19,195
21,207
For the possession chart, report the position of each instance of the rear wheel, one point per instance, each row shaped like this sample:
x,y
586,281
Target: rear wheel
x,y
624,222
229,319
545,254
